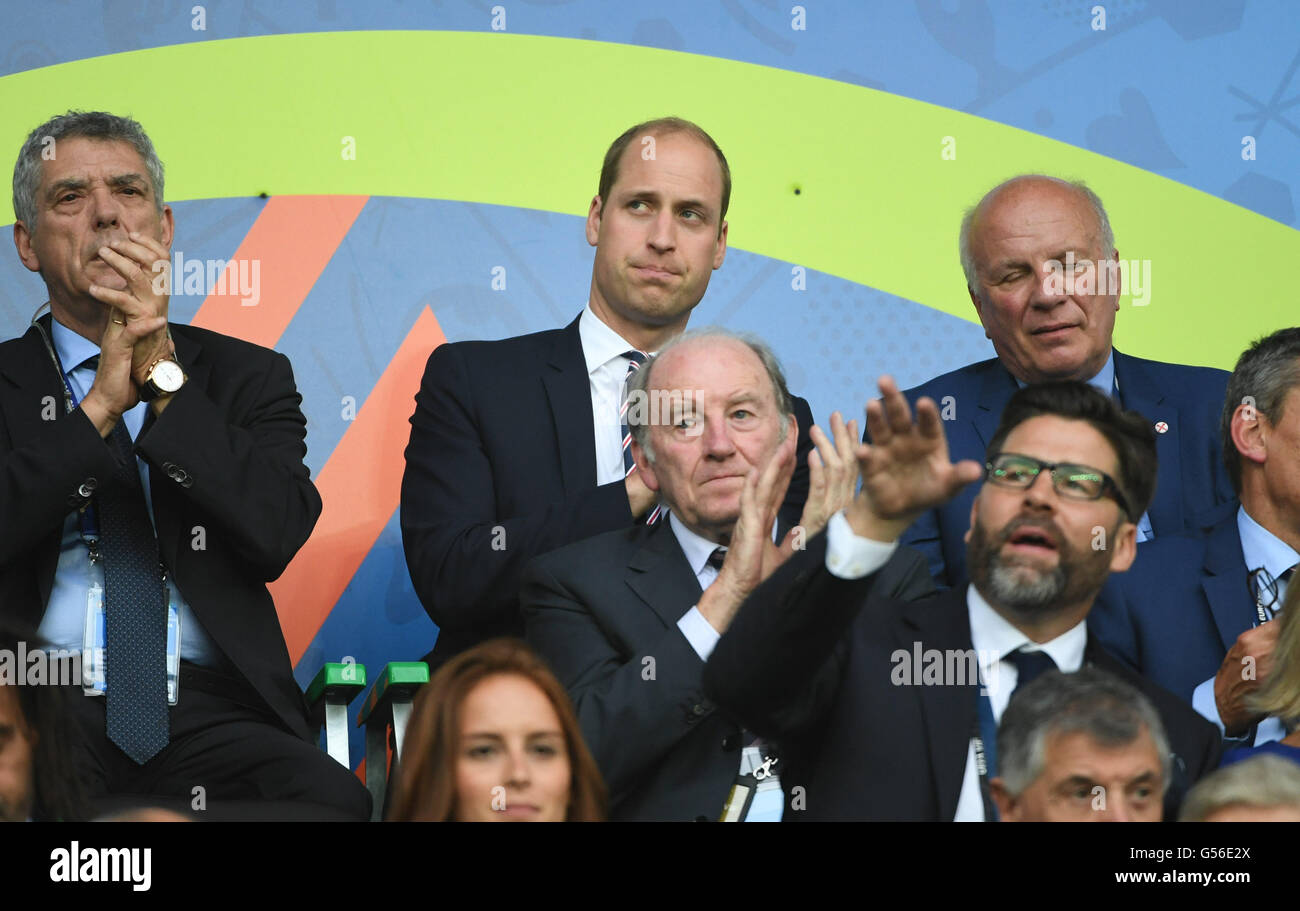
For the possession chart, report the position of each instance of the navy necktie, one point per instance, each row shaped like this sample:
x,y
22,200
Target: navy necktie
x,y
1029,665
716,558
135,610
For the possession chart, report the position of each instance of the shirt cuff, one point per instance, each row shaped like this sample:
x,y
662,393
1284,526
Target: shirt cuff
x,y
699,633
1206,706
849,556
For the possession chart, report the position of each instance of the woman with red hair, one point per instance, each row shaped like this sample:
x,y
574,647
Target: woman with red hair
x,y
492,737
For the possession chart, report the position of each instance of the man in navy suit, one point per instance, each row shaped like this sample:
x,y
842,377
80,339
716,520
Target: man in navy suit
x,y
628,618
887,708
1038,255
1196,612
519,446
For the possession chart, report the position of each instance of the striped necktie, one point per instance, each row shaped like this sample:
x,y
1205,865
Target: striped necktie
x,y
635,360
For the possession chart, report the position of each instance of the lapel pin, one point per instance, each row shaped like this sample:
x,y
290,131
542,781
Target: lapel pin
x,y
1162,427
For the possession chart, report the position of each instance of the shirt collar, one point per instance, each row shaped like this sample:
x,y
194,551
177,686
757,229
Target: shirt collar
x,y
1261,547
994,637
73,349
600,343
1103,382
696,548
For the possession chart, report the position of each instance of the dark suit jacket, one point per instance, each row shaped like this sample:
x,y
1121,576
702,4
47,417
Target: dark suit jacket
x,y
501,467
604,613
1173,616
1191,480
808,660
226,455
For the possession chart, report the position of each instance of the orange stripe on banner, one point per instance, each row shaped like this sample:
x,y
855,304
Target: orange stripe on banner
x,y
275,267
361,487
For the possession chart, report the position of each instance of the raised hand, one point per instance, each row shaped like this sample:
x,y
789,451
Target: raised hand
x,y
144,264
114,392
833,479
906,468
1232,685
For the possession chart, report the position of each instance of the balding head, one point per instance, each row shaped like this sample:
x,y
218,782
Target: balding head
x,y
709,409
1038,254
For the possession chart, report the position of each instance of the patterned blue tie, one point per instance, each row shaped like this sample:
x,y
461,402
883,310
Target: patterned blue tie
x,y
135,599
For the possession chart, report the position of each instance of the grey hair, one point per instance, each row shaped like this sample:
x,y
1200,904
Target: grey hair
x,y
1090,701
968,220
91,125
1265,373
639,384
1263,781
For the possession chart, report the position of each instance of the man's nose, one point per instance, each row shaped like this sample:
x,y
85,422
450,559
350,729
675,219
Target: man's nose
x,y
717,438
663,231
1053,287
1116,809
107,210
1041,490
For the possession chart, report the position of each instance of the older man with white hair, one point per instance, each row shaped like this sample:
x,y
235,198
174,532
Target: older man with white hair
x,y
1041,269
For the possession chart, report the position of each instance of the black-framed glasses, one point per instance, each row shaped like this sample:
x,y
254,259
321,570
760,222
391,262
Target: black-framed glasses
x,y
1078,482
1263,588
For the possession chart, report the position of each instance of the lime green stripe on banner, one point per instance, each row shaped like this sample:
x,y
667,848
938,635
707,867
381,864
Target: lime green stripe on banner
x,y
523,121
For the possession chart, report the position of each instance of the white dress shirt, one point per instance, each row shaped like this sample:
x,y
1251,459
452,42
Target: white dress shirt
x,y
603,349
1260,547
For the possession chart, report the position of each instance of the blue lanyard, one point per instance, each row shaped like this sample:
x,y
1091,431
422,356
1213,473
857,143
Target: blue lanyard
x,y
88,519
985,737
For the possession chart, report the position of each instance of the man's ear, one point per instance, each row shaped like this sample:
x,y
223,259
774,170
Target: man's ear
x,y
23,242
594,214
1119,279
1123,547
979,307
720,252
974,510
168,227
1002,799
1249,430
644,467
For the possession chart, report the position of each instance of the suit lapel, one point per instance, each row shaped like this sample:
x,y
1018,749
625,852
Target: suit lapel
x,y
995,391
661,577
949,712
1224,581
1138,392
568,390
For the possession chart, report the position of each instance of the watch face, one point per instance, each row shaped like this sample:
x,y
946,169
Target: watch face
x,y
167,376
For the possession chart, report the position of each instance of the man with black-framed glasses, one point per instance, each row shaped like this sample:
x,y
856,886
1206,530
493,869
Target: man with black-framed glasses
x,y
888,709
1196,613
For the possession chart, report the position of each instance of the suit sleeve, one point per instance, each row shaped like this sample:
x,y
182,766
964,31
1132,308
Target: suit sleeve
x,y
632,708
39,480
466,559
778,666
243,468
